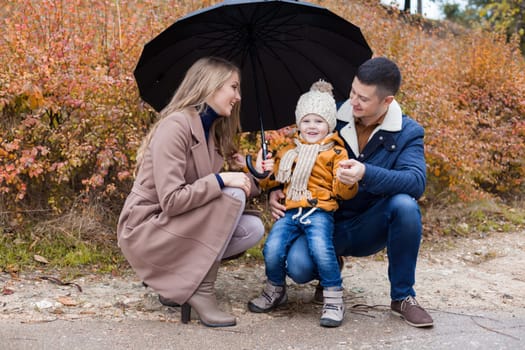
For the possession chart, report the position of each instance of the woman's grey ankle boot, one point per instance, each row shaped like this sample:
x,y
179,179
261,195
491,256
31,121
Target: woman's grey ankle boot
x,y
205,303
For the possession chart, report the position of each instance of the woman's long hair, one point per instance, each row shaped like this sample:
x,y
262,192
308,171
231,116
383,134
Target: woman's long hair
x,y
204,77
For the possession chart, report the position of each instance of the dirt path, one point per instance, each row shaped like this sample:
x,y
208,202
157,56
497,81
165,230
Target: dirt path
x,y
470,275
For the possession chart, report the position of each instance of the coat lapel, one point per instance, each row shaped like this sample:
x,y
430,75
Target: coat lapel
x,y
348,132
391,123
199,149
206,158
216,160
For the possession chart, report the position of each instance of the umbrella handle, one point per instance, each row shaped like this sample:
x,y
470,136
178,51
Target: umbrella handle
x,y
253,170
249,164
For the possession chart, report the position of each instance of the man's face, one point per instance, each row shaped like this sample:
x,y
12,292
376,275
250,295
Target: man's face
x,y
367,104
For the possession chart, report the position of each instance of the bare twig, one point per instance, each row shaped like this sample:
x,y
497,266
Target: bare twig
x,y
462,314
24,211
493,330
119,25
60,283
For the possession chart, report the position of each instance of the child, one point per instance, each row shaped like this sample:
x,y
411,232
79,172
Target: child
x,y
308,171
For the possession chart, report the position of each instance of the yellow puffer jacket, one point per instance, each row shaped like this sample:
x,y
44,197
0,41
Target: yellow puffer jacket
x,y
326,189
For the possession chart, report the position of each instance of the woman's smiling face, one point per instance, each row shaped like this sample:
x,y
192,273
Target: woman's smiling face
x,y
223,99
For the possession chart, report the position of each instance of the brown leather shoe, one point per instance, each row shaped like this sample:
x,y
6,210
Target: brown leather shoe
x,y
410,310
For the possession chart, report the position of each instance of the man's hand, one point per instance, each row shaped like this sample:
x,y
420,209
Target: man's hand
x,y
350,171
276,208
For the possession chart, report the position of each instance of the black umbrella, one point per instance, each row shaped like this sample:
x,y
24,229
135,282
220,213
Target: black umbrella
x,y
281,47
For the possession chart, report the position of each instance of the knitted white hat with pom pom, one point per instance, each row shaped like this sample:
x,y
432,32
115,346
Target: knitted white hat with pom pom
x,y
319,100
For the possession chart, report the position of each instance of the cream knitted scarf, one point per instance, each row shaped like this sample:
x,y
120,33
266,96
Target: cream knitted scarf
x,y
306,154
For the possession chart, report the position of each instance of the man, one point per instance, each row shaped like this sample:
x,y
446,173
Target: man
x,y
387,158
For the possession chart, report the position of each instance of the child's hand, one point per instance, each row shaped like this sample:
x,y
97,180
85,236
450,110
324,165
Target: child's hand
x,y
240,160
262,165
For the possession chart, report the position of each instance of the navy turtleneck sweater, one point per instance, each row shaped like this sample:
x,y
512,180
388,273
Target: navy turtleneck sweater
x,y
208,116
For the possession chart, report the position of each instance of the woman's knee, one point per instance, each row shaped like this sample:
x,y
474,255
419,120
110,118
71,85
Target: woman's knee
x,y
248,233
237,193
253,227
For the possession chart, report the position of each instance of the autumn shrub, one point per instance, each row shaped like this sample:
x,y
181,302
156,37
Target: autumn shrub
x,y
71,115
466,88
72,118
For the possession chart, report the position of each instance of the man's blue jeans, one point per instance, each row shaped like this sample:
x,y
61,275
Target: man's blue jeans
x,y
394,223
318,246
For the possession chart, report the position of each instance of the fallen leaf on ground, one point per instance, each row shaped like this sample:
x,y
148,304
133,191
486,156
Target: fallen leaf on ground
x,y
87,312
40,258
67,301
7,291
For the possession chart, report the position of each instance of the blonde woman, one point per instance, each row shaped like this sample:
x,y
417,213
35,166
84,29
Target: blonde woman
x,y
183,215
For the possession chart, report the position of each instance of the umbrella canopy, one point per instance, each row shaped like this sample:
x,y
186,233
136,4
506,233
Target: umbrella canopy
x,y
281,47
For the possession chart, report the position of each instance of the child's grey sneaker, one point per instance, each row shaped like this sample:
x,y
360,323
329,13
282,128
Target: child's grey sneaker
x,y
318,296
333,308
271,297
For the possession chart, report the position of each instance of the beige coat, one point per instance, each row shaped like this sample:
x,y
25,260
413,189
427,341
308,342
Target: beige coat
x,y
176,220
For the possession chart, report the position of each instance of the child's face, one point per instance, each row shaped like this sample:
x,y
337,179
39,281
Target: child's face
x,y
313,128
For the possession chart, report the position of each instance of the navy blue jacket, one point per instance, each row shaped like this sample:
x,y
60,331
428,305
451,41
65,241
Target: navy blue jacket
x,y
394,158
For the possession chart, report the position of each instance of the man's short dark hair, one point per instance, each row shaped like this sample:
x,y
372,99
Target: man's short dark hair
x,y
381,72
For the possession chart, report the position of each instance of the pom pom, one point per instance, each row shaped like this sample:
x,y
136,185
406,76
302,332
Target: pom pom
x,y
322,86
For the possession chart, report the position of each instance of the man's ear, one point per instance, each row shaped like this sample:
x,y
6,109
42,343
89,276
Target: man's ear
x,y
388,100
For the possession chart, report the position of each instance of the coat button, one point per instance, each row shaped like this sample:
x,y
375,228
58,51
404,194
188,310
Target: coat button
x,y
381,138
361,155
393,146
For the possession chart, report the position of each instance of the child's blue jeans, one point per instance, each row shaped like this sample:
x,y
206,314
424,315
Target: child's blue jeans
x,y
317,228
